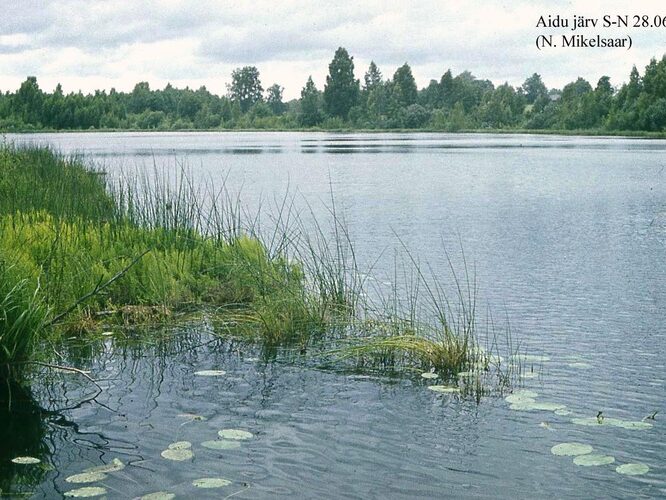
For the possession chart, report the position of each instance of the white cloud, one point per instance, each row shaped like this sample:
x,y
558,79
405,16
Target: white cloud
x,y
90,44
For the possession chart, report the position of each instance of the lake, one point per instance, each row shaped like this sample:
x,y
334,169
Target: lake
x,y
566,237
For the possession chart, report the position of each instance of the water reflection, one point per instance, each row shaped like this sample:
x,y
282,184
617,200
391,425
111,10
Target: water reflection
x,y
22,433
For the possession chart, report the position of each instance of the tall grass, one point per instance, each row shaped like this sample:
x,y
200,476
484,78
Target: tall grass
x,y
139,247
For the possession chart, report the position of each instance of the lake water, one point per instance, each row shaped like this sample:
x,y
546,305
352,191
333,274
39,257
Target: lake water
x,y
567,237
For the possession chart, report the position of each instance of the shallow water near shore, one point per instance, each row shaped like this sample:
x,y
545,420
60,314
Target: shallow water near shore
x,y
567,237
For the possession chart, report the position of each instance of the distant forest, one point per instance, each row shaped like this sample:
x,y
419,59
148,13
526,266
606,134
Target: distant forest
x,y
452,103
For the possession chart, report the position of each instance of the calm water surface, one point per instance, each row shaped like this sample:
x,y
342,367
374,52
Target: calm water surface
x,y
567,236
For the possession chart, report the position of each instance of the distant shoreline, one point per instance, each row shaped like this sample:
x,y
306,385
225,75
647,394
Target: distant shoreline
x,y
570,133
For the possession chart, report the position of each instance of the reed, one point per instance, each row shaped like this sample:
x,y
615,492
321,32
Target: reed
x,y
77,248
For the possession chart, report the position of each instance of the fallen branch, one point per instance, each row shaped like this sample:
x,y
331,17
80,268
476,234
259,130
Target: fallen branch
x,y
98,288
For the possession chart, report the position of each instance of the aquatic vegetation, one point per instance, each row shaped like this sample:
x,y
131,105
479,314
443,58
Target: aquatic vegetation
x,y
86,492
571,449
85,253
562,412
26,460
178,451
590,460
429,375
86,477
115,465
210,373
235,434
446,389
158,495
527,405
633,469
211,482
221,444
614,422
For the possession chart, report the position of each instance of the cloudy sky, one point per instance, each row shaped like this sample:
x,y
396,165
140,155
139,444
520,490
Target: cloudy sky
x,y
90,44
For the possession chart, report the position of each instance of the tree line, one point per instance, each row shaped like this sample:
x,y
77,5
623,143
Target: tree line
x,y
452,103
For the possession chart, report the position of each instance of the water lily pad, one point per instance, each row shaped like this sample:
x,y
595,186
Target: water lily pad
x,y
563,412
86,477
536,405
593,459
444,388
210,373
581,365
634,425
525,397
26,460
177,455
632,469
615,422
594,421
180,445
571,449
86,492
115,465
221,444
429,375
211,482
158,495
235,434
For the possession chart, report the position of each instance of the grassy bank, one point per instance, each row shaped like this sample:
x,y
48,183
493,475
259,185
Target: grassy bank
x,y
77,251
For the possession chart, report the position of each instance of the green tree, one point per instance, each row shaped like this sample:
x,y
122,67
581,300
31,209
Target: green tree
x,y
372,78
341,91
245,87
274,99
404,86
310,114
534,88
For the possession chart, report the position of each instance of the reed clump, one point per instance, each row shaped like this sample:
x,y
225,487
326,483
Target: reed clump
x,y
78,249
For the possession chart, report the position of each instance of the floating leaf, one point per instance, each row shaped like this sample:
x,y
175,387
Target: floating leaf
x,y
180,445
634,425
234,434
177,455
581,365
594,421
86,477
221,444
632,469
192,417
26,460
210,373
87,492
443,388
158,495
114,466
536,405
429,375
211,482
571,449
593,459
615,422
562,412
520,398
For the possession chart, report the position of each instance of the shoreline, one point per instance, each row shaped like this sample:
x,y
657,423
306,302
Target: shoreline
x,y
565,133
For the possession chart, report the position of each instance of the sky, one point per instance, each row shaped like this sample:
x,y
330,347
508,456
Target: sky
x,y
100,44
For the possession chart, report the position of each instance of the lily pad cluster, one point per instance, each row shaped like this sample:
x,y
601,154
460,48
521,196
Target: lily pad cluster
x,y
525,400
92,475
178,451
